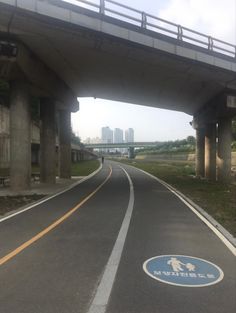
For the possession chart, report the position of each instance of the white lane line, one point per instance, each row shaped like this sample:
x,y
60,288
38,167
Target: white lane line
x,y
50,197
103,292
228,244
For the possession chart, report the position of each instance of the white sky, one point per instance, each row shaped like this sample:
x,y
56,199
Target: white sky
x,y
212,17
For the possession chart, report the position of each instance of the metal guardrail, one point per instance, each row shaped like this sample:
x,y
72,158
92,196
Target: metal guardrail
x,y
151,22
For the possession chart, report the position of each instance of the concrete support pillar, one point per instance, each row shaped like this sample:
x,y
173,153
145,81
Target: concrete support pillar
x,y
74,156
64,144
131,153
81,155
20,136
224,149
200,152
210,151
47,142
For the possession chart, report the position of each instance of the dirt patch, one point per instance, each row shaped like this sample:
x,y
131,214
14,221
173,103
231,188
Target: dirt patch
x,y
10,203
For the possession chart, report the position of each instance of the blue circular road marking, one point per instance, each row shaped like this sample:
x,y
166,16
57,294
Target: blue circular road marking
x,y
183,270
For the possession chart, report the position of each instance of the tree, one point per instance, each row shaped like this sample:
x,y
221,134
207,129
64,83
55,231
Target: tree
x,y
75,139
191,140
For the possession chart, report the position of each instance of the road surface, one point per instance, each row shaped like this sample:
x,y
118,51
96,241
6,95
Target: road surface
x,y
83,251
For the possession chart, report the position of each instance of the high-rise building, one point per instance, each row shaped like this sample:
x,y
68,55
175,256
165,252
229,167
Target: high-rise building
x,y
107,135
118,135
129,135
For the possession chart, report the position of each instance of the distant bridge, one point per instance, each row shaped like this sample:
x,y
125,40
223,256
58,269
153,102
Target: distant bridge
x,y
121,145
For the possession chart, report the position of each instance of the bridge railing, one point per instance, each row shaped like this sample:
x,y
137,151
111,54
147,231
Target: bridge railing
x,y
151,22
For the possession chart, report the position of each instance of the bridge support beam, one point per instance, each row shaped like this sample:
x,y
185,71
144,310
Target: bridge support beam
x,y
224,149
200,152
131,154
20,136
64,144
47,142
219,111
210,152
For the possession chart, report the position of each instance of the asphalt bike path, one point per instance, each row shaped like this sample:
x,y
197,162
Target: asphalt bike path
x,y
162,224
71,268
24,226
60,271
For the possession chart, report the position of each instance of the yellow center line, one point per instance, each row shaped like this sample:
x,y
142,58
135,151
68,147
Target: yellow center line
x,y
52,226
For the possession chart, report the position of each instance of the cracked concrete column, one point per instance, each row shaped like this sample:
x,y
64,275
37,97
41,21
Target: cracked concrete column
x,y
200,152
224,149
210,151
47,141
64,144
20,136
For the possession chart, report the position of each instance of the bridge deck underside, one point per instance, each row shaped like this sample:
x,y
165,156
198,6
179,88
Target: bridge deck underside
x,y
95,64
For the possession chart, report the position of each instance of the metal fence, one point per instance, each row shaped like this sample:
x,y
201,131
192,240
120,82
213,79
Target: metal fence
x,y
151,22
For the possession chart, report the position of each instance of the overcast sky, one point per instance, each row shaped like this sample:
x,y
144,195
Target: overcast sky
x,y
212,17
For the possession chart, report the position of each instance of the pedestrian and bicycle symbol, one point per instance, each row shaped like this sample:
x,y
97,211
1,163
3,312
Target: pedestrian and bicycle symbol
x,y
182,270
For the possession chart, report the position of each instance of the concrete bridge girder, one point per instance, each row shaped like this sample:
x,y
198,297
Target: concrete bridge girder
x,y
102,57
213,126
20,152
131,154
223,105
155,69
47,141
42,80
64,133
20,139
29,76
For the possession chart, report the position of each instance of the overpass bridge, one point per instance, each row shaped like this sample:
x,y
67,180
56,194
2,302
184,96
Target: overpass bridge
x,y
57,51
130,146
120,145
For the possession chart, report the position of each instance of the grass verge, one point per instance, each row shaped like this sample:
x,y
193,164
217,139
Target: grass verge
x,y
84,168
219,200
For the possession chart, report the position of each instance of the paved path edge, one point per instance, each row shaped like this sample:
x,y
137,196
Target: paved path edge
x,y
200,210
48,197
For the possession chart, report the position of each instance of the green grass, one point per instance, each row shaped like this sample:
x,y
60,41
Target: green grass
x,y
84,168
219,200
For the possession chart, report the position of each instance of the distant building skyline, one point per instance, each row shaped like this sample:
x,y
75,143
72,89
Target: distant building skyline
x,y
129,135
118,135
106,135
109,135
